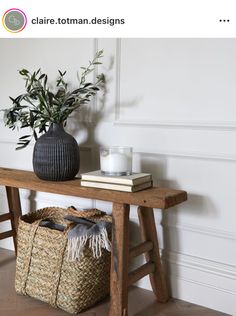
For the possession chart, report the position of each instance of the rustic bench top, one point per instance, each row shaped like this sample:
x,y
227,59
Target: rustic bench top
x,y
154,197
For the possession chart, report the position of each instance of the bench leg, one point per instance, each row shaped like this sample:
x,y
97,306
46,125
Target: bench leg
x,y
14,204
148,233
119,260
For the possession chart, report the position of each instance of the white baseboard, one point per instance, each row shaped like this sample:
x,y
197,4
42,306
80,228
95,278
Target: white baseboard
x,y
203,294
200,281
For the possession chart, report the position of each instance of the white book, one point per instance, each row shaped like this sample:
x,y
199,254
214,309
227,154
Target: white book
x,y
116,187
133,179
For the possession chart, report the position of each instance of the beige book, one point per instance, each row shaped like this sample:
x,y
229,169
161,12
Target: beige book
x,y
116,187
133,179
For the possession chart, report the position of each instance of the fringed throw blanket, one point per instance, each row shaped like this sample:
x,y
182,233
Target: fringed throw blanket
x,y
96,234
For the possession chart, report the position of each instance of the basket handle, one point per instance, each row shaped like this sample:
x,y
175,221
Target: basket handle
x,y
85,213
28,255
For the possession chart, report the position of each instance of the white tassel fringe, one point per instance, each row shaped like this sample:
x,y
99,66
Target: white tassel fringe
x,y
96,243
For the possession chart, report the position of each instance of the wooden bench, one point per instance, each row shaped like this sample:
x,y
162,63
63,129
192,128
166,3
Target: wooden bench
x,y
146,200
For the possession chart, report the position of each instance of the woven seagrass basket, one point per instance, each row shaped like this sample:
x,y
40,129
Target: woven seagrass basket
x,y
42,268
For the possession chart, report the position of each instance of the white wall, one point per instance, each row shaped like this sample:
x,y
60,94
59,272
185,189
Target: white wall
x,y
174,101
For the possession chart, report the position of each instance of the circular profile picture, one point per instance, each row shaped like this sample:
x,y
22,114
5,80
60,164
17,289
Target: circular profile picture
x,y
14,20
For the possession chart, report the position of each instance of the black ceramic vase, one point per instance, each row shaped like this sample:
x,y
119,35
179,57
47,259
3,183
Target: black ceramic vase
x,y
56,155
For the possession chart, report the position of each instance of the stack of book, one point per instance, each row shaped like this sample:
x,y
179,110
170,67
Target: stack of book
x,y
132,183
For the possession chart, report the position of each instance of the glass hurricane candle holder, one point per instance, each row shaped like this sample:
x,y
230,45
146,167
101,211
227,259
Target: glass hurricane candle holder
x,y
116,160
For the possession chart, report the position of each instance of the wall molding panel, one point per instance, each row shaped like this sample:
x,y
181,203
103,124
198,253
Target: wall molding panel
x,y
204,265
189,155
118,74
200,125
177,124
181,155
209,231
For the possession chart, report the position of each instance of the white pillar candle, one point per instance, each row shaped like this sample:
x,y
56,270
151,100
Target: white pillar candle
x,y
116,162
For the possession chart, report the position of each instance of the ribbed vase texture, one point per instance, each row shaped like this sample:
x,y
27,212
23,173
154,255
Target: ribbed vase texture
x,y
56,155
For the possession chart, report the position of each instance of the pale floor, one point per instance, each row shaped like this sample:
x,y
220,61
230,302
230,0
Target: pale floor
x,y
141,302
